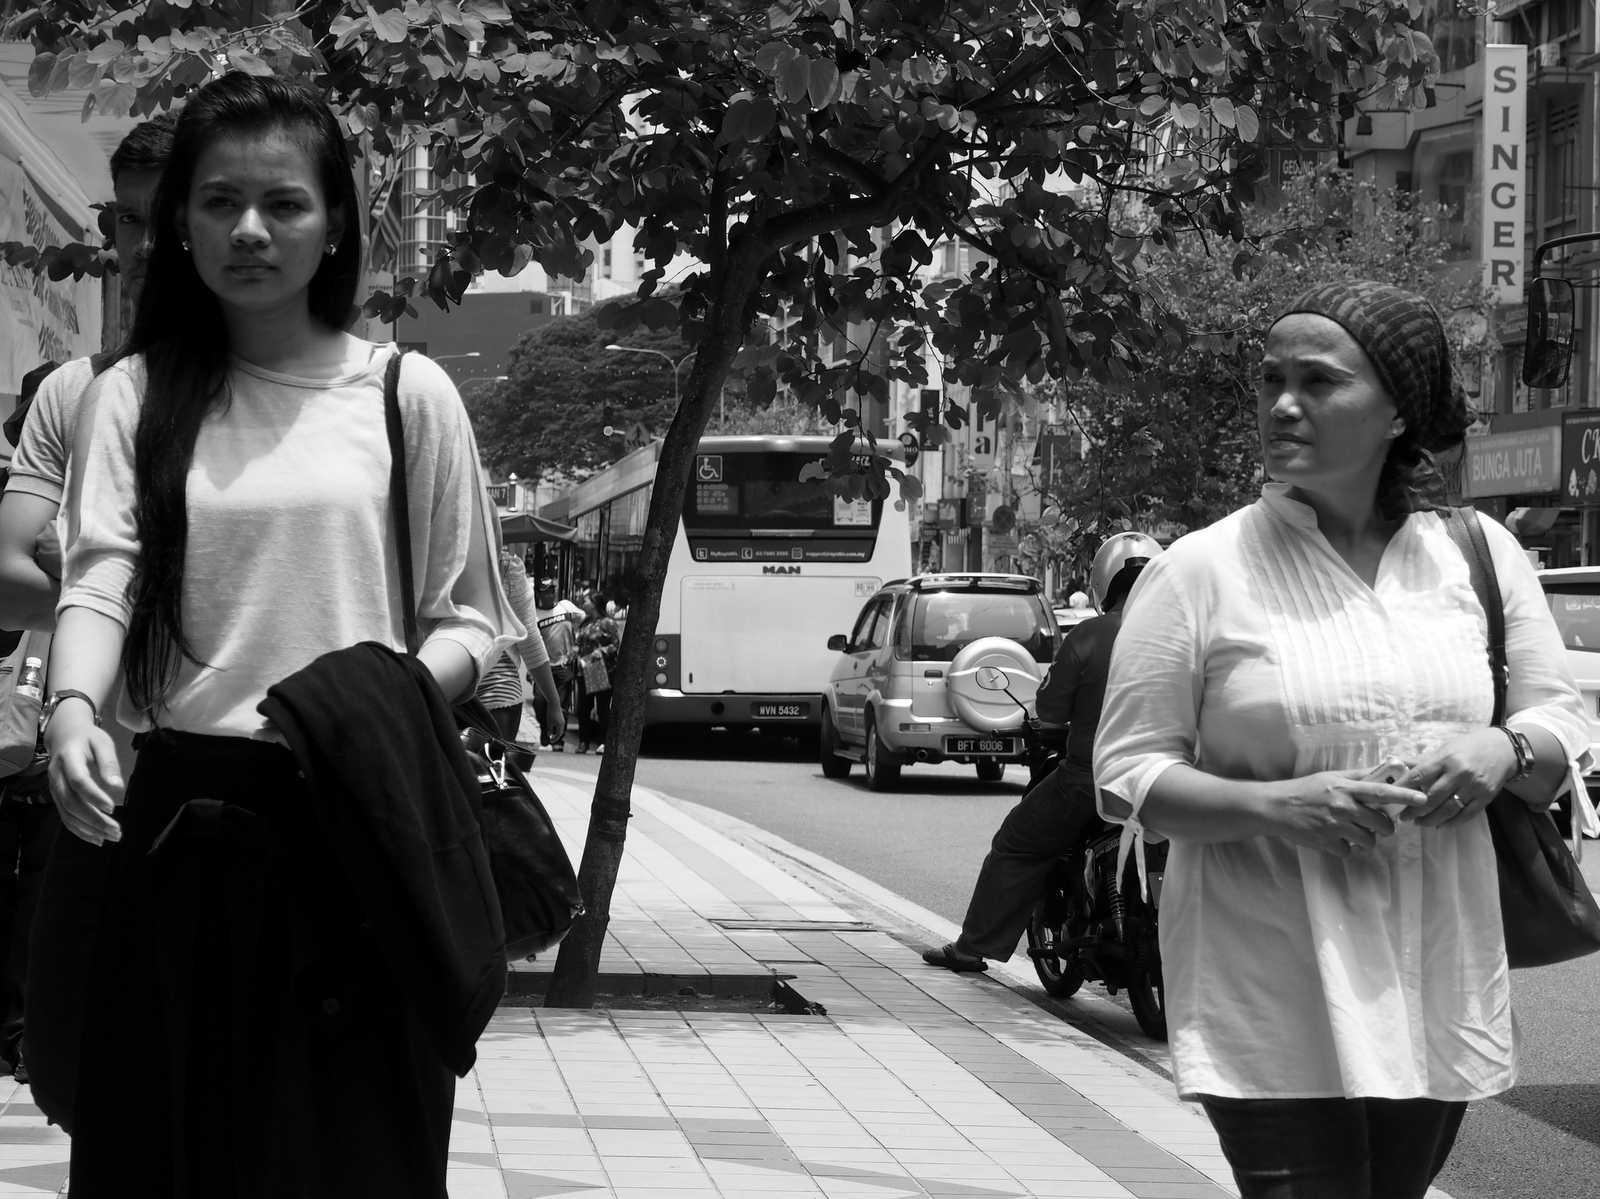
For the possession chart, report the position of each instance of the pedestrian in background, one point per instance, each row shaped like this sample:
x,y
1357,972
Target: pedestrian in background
x,y
1336,979
598,642
501,688
60,946
235,528
558,621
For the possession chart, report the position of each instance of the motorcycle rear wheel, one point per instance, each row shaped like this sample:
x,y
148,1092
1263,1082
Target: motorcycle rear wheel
x,y
1060,977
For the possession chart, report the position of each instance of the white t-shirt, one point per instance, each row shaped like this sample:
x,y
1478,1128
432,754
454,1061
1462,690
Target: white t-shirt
x,y
290,543
42,465
558,626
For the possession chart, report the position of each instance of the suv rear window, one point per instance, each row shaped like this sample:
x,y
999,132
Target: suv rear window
x,y
1576,607
943,622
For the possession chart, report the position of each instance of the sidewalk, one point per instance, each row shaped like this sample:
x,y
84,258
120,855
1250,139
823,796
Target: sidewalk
x,y
916,1082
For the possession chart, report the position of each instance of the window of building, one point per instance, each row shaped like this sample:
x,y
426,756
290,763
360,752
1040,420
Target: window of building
x,y
1444,175
1562,161
605,262
1454,30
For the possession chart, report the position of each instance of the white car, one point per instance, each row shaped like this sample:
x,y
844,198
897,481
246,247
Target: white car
x,y
1574,595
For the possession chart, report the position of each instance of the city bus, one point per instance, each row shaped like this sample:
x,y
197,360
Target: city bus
x,y
765,568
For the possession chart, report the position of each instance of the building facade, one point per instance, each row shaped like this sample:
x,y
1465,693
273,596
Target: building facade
x,y
1528,461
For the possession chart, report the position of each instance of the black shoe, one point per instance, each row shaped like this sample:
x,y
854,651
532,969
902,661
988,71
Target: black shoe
x,y
952,958
20,1074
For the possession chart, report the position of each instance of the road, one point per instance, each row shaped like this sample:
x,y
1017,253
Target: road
x,y
926,842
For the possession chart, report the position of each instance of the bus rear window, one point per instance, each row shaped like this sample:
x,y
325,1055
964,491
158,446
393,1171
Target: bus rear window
x,y
1576,607
943,622
763,491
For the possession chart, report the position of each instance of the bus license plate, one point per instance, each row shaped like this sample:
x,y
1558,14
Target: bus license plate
x,y
780,711
980,745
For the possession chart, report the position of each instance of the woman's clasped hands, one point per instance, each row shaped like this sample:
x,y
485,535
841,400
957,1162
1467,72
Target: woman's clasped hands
x,y
1340,811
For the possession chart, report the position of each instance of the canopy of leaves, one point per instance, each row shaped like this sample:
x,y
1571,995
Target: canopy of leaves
x,y
769,141
548,417
1180,447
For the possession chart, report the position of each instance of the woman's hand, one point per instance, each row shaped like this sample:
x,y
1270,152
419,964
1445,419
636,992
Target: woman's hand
x,y
85,780
1336,811
1461,777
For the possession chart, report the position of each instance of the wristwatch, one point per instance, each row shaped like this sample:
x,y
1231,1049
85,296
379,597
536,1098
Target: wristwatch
x,y
49,709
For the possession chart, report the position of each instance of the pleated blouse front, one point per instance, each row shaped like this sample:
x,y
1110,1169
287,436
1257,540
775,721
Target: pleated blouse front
x,y
1250,650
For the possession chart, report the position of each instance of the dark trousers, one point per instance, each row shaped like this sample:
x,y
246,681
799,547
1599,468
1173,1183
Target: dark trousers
x,y
594,715
251,1043
1335,1148
61,952
508,720
1050,820
27,833
564,673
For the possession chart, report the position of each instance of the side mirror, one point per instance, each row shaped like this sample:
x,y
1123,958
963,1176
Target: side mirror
x,y
991,678
838,643
1548,351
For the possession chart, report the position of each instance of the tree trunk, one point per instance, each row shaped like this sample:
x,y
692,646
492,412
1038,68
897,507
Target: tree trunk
x,y
574,982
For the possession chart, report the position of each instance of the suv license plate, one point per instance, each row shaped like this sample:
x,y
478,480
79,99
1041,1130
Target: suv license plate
x,y
780,711
980,745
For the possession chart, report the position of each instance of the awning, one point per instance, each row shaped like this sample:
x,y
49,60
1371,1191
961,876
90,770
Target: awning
x,y
525,526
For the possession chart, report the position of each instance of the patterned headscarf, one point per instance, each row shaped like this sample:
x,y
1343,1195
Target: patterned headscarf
x,y
1403,336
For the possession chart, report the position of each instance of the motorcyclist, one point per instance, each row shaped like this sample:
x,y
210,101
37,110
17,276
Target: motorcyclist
x,y
1054,816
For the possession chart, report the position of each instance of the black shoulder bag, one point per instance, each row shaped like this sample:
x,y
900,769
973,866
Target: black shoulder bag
x,y
533,876
1546,907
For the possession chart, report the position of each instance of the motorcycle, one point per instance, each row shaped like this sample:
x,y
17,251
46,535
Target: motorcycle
x,y
1084,926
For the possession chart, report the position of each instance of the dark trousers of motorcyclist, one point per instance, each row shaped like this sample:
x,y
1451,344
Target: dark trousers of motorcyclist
x,y
27,833
1051,820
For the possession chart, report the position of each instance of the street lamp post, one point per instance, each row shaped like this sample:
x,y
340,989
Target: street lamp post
x,y
447,357
481,379
676,366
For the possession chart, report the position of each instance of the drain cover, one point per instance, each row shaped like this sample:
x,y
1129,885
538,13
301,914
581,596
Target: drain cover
x,y
798,926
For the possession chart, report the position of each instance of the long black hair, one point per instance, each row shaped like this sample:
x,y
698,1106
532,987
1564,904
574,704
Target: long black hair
x,y
179,328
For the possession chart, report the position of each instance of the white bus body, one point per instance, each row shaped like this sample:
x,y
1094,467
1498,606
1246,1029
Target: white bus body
x,y
764,569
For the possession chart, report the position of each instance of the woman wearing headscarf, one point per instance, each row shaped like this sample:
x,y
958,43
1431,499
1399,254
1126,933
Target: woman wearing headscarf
x,y
1335,969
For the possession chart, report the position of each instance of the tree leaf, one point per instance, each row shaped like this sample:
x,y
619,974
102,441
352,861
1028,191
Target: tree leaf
x,y
1247,123
1222,109
824,83
794,79
390,26
39,72
250,64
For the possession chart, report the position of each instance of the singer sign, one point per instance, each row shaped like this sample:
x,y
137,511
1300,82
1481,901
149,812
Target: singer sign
x,y
1501,165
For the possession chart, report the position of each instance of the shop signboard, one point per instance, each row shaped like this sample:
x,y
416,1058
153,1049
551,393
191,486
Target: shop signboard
x,y
40,319
1580,458
1501,170
1524,461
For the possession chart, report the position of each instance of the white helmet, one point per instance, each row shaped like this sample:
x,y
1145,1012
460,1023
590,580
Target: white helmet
x,y
1117,565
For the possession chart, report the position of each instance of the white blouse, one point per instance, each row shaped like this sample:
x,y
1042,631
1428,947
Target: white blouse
x,y
1251,650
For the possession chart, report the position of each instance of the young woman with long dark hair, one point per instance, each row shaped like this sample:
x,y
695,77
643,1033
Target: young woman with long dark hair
x,y
234,526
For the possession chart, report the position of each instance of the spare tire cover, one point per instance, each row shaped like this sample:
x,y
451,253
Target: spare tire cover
x,y
991,711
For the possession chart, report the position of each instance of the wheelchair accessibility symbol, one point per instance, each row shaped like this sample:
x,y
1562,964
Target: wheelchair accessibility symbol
x,y
709,469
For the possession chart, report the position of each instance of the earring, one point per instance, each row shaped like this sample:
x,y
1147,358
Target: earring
x,y
185,245
333,249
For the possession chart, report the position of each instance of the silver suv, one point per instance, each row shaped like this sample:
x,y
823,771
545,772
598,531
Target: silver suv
x,y
904,689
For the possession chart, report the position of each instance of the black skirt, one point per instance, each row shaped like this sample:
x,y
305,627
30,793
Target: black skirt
x,y
242,1038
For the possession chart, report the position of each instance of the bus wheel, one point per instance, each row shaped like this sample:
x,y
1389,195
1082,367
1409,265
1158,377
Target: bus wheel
x,y
883,767
833,766
990,771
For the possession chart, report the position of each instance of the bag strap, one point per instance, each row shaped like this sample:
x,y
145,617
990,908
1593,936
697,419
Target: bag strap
x,y
399,501
1467,532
